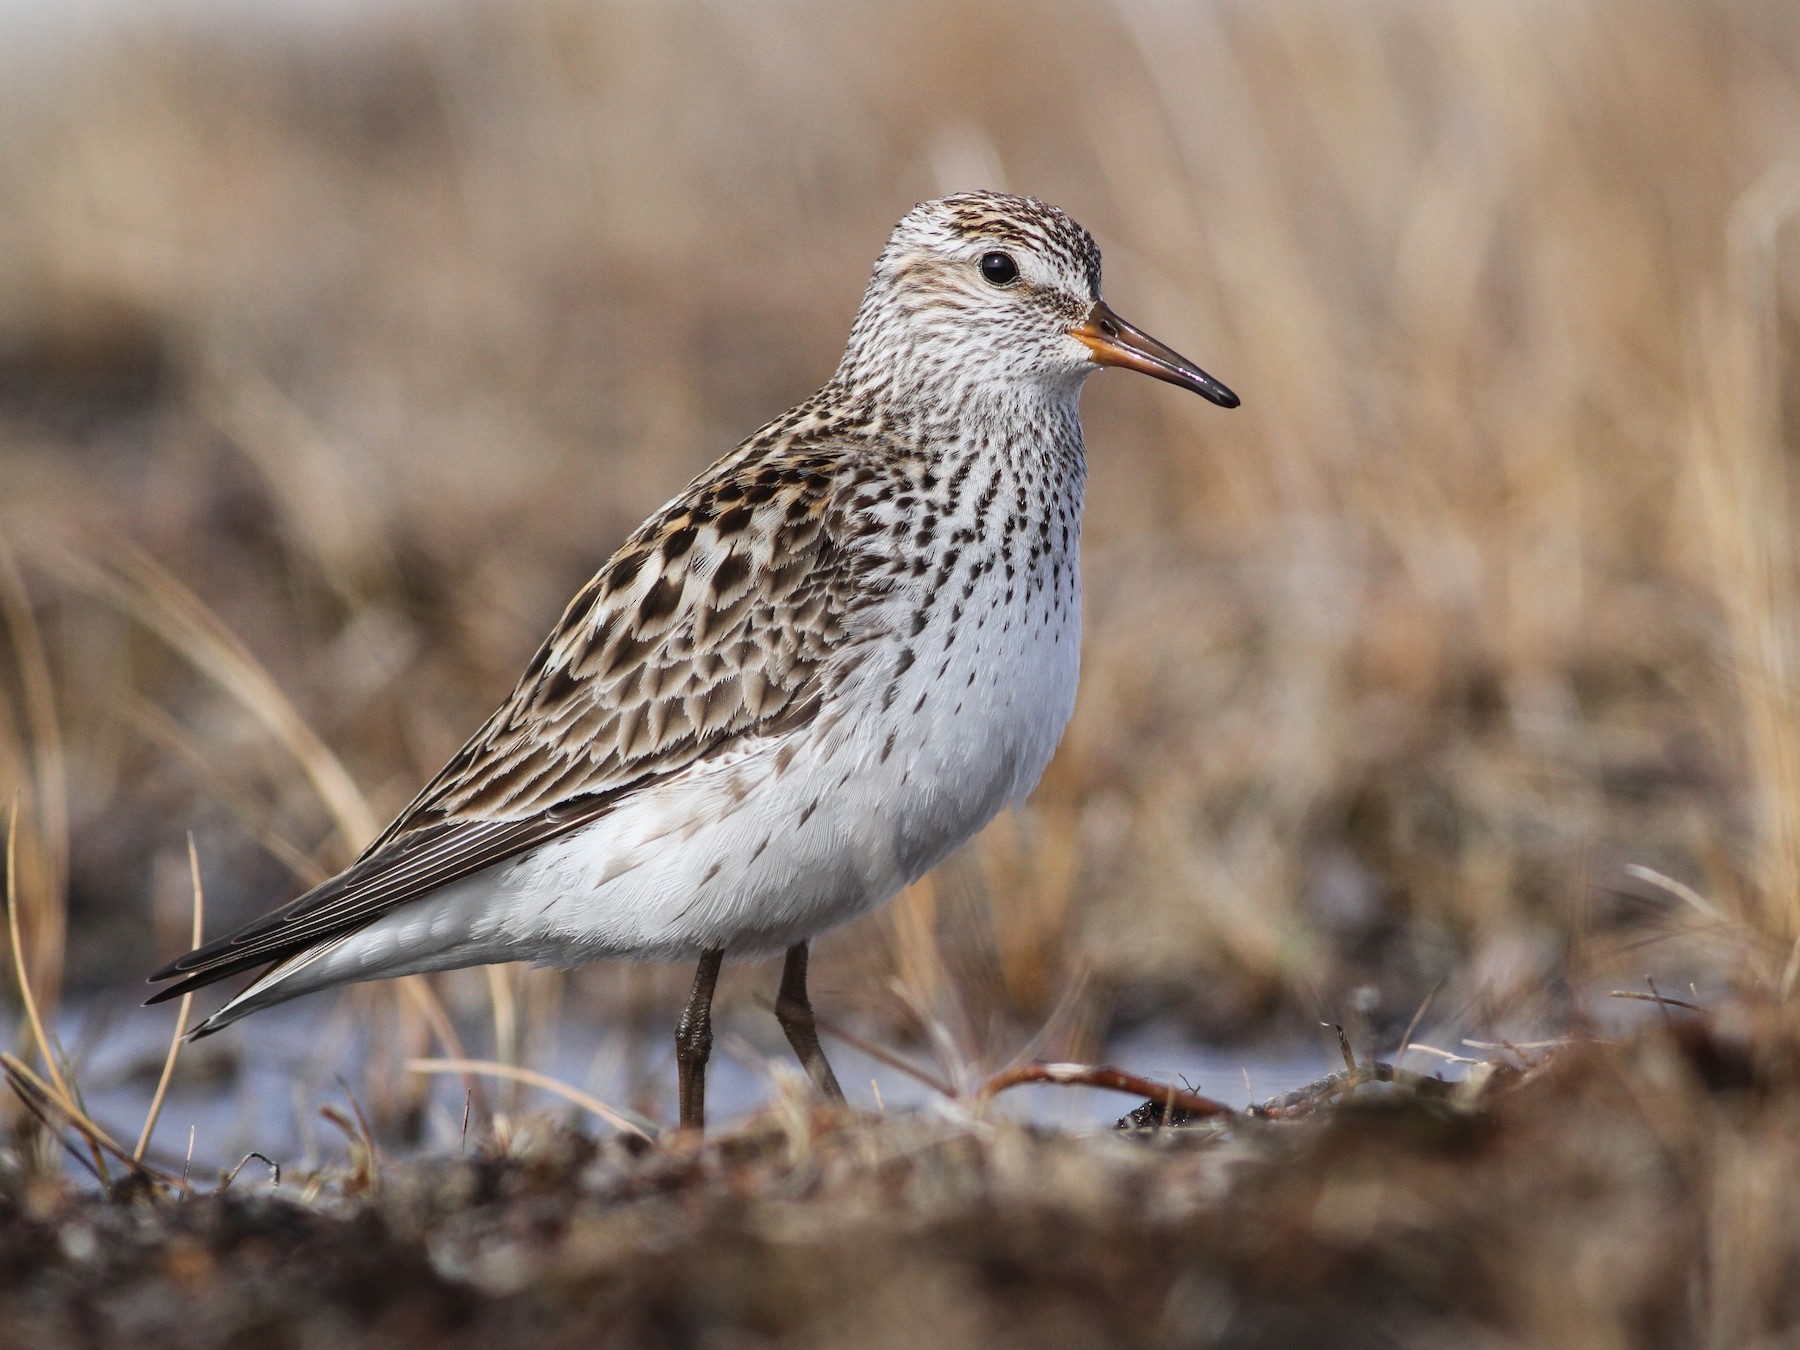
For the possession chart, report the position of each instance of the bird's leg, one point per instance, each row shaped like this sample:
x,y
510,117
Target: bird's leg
x,y
693,1041
795,1014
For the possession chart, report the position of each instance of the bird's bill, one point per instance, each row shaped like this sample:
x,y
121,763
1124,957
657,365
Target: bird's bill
x,y
1116,343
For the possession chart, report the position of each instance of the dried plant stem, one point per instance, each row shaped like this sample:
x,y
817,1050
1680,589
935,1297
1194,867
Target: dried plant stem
x,y
146,591
140,587
506,1016
48,773
1661,1000
1104,1076
877,1053
1742,475
181,1014
58,1089
918,964
18,949
504,1008
429,1006
158,726
40,1096
619,1120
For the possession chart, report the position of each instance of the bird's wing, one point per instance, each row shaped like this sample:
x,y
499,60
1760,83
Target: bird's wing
x,y
713,623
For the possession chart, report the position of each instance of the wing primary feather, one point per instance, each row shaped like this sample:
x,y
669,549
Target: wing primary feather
x,y
342,904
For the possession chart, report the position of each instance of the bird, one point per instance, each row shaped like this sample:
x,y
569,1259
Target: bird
x,y
797,687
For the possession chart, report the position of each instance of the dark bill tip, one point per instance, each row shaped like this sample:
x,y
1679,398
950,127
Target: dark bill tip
x,y
1116,343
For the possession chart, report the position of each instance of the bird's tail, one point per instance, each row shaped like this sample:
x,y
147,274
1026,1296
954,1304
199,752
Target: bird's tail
x,y
277,984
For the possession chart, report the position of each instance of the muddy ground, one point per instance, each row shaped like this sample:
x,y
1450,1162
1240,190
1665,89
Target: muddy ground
x,y
1593,1195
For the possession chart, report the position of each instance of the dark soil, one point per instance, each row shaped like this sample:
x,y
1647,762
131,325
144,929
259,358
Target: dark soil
x,y
1606,1195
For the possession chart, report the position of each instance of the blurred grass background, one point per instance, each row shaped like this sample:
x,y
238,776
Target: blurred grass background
x,y
377,335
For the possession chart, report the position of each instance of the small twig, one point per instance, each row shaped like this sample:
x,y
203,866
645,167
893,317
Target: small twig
x,y
938,1035
1304,1101
1655,998
1417,1017
1447,1055
1104,1076
272,1165
1662,1006
1518,1047
365,1162
1343,1046
1679,889
431,1008
875,1052
505,1012
619,1120
181,1014
362,1121
1064,1011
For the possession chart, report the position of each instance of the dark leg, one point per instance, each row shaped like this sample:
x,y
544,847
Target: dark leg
x,y
693,1041
796,1017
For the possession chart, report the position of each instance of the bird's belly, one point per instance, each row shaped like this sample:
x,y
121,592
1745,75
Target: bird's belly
x,y
777,840
785,839
977,717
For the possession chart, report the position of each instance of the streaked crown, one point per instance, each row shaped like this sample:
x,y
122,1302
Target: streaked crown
x,y
1060,252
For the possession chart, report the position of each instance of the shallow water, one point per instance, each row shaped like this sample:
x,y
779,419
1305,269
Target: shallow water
x,y
259,1086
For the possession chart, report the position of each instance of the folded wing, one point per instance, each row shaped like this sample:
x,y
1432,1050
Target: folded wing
x,y
712,624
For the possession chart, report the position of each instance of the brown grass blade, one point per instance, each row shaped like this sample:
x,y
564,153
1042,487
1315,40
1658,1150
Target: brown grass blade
x,y
880,1055
181,1013
32,1017
142,588
58,1088
35,1092
627,1121
48,777
157,726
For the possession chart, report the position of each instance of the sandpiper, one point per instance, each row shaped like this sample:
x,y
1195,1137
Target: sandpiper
x,y
797,687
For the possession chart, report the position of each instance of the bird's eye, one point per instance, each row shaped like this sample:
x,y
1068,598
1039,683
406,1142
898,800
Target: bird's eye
x,y
999,268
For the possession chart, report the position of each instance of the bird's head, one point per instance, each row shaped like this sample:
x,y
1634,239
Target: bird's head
x,y
1004,289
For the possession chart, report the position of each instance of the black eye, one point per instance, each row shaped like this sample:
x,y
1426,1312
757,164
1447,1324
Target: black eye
x,y
999,268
